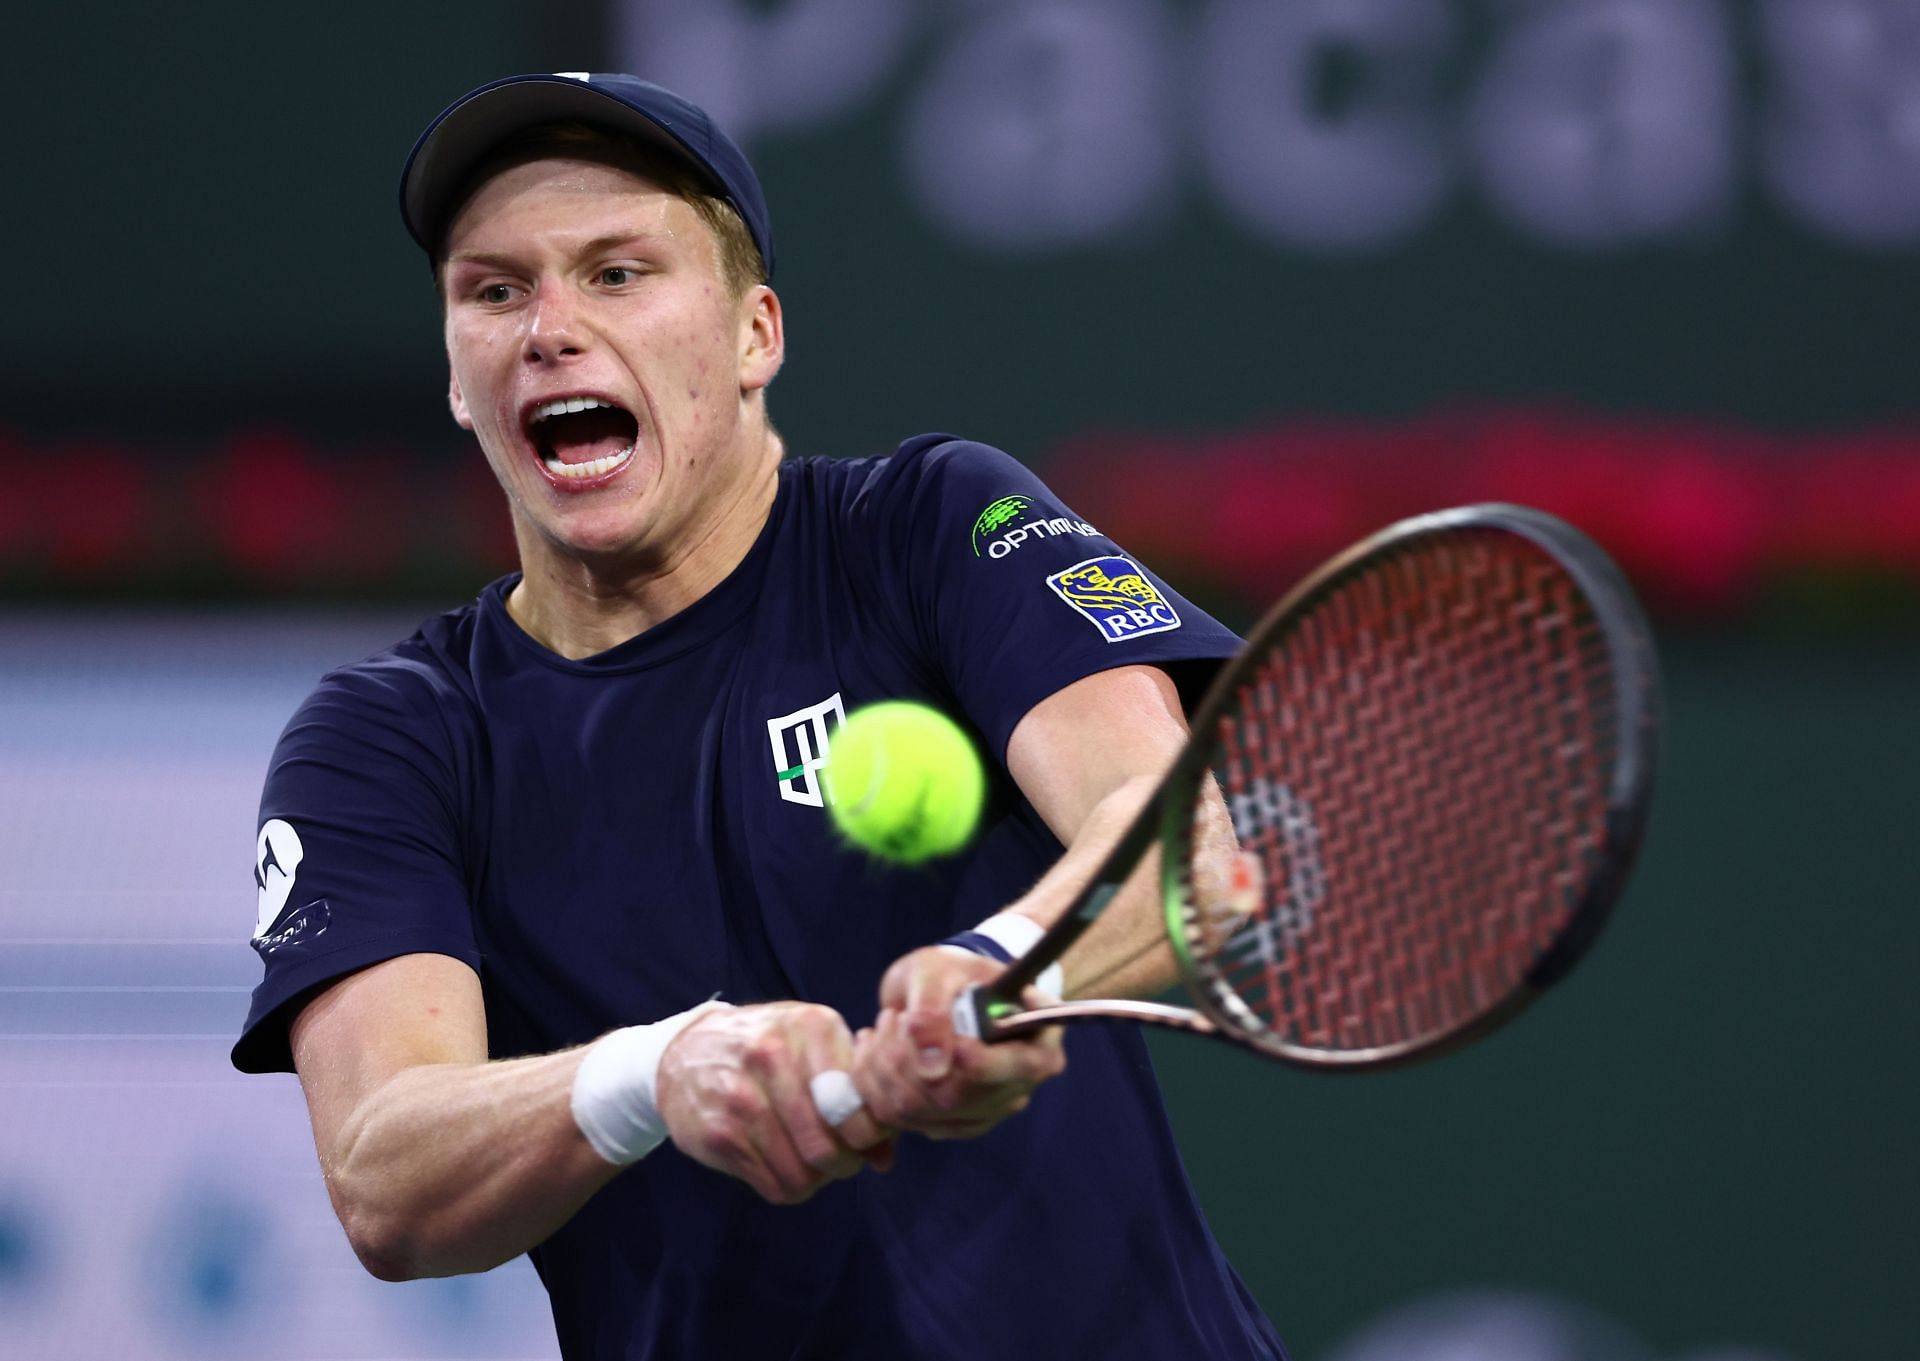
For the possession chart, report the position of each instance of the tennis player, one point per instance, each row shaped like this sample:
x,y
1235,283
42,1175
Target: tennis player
x,y
554,928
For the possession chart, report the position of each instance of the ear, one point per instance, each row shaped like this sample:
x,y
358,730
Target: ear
x,y
457,402
763,338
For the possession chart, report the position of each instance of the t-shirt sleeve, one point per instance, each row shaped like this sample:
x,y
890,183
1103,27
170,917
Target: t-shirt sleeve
x,y
1014,595
358,855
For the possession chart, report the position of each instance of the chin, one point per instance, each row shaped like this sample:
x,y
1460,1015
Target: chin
x,y
595,537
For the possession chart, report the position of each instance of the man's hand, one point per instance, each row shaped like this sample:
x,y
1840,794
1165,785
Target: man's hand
x,y
733,1090
916,1074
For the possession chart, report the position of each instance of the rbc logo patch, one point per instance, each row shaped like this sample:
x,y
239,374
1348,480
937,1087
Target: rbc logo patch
x,y
1116,596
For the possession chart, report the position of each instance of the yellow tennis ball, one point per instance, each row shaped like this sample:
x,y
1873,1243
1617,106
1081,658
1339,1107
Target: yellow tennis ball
x,y
904,782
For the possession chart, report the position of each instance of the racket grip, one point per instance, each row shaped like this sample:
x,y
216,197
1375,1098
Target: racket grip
x,y
970,1013
973,1009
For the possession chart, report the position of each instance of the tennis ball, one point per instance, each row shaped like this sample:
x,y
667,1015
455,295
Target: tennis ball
x,y
904,782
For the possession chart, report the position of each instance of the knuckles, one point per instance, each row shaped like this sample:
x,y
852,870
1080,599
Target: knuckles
x,y
816,1014
779,1043
886,1107
739,1100
766,1055
727,1141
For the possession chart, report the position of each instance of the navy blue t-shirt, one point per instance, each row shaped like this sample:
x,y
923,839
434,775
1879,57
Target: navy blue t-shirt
x,y
612,840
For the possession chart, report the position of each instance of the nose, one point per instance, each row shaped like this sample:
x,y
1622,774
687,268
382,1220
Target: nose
x,y
554,332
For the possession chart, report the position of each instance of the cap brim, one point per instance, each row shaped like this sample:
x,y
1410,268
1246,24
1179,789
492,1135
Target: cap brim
x,y
447,153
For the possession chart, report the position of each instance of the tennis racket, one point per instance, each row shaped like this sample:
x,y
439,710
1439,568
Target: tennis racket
x,y
1406,807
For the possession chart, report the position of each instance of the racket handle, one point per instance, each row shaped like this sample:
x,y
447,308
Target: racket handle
x,y
969,1011
973,1010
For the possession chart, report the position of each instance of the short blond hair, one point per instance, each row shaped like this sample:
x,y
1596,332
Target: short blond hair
x,y
741,267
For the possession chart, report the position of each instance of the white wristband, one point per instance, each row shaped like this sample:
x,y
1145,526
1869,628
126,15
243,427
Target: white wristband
x,y
1017,935
613,1096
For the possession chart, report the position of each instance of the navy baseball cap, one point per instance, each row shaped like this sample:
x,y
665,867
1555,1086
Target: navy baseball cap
x,y
459,139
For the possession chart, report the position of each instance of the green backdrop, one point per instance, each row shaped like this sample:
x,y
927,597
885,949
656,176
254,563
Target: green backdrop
x,y
1707,1130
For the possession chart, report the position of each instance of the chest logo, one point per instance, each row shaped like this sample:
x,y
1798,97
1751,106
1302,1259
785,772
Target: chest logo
x,y
1114,595
800,742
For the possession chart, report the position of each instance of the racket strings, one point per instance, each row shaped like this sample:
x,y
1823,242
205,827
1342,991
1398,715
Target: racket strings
x,y
1416,777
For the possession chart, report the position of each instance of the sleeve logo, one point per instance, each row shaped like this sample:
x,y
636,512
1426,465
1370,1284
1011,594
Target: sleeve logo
x,y
997,517
276,858
1005,524
1116,597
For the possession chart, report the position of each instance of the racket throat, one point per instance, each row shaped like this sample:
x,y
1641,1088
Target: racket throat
x,y
1096,901
979,1015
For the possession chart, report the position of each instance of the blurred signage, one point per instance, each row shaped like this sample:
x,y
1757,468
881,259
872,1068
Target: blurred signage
x,y
1660,253
1712,520
1336,125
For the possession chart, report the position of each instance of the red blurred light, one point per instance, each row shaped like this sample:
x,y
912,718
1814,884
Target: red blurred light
x,y
1702,515
94,502
275,507
1698,514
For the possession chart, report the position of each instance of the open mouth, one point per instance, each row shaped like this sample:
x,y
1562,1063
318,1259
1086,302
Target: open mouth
x,y
578,438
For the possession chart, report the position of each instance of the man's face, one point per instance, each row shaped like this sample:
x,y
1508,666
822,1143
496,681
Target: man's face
x,y
601,361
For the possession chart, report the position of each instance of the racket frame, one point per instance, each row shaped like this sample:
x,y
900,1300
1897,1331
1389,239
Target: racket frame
x,y
992,1011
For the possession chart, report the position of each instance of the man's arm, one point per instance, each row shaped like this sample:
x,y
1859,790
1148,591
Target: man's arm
x,y
1087,757
439,1161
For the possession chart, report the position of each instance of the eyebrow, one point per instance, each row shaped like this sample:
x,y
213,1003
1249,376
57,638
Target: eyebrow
x,y
599,245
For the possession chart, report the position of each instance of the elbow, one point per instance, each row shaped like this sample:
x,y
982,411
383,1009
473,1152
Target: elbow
x,y
392,1239
389,1267
396,1246
386,1269
385,1252
384,1237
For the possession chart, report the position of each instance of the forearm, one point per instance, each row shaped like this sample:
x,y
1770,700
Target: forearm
x,y
454,1167
1125,952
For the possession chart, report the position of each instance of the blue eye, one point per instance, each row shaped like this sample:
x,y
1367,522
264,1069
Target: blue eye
x,y
615,275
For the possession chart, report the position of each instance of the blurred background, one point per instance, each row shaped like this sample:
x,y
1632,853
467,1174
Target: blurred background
x,y
1244,279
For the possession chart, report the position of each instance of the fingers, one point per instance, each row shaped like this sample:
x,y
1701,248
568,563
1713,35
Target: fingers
x,y
884,1072
982,1085
800,1148
926,982
763,1153
1015,1066
735,1091
738,1089
829,1049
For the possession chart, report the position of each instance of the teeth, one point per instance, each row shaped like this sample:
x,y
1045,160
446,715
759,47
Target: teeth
x,y
562,406
591,468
